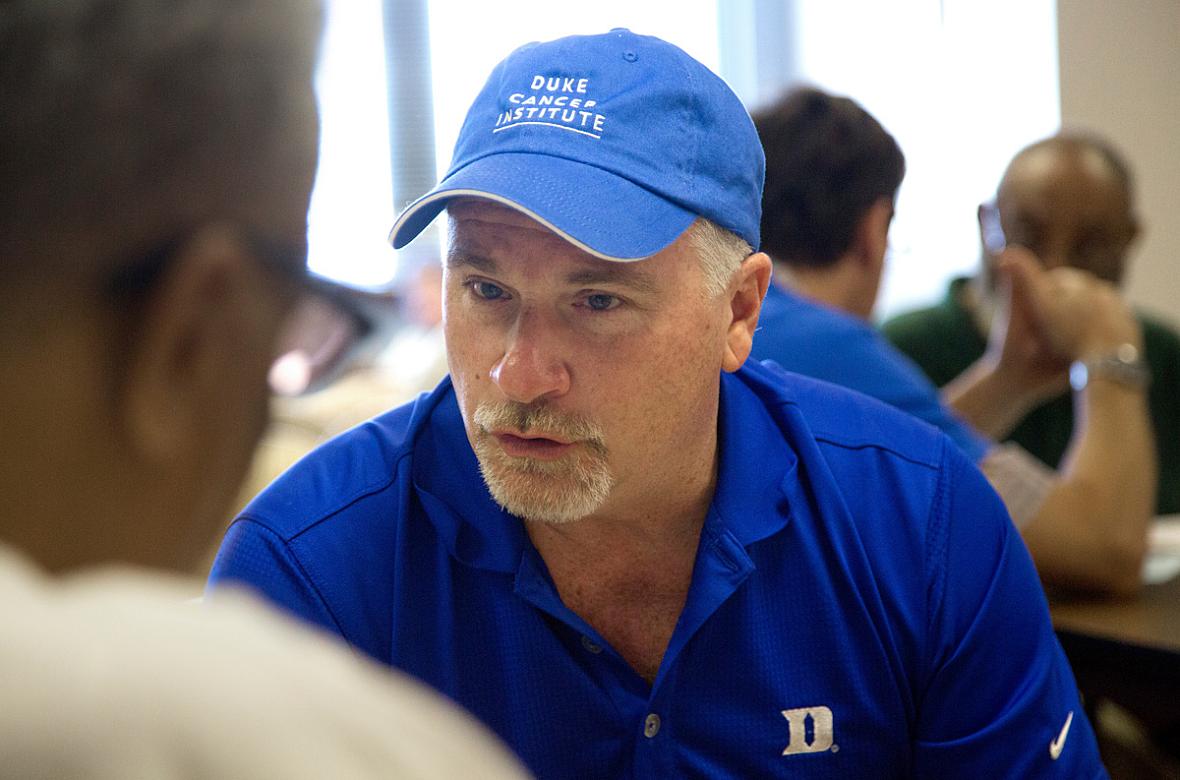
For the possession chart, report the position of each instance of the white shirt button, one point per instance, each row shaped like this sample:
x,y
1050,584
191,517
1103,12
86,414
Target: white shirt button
x,y
651,726
590,646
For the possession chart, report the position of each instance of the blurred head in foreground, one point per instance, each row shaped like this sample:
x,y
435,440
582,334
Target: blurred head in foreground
x,y
157,160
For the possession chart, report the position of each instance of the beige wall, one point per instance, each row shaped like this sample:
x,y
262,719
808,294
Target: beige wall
x,y
1120,75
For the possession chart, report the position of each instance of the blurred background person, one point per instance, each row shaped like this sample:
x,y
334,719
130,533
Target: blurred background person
x,y
157,160
832,177
1070,200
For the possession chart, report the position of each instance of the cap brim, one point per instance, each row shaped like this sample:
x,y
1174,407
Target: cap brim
x,y
597,211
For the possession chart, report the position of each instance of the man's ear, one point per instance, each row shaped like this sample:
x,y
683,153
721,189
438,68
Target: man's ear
x,y
872,235
1134,231
182,352
745,304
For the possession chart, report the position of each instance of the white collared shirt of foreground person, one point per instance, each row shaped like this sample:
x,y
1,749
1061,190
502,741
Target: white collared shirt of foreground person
x,y
110,674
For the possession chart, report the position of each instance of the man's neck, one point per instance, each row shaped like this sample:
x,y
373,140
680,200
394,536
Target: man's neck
x,y
838,286
646,536
655,524
626,569
628,575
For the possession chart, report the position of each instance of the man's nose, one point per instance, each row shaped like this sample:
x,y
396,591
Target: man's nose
x,y
532,367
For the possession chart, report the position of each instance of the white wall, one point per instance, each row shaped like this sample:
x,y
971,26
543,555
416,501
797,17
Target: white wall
x,y
1120,76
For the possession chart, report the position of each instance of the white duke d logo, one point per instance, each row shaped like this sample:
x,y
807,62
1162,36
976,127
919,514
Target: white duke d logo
x,y
810,730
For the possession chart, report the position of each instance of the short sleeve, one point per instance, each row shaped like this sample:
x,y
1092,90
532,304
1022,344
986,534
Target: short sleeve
x,y
998,697
253,556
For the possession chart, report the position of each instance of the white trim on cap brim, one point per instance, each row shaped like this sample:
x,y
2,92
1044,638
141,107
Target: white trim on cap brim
x,y
448,194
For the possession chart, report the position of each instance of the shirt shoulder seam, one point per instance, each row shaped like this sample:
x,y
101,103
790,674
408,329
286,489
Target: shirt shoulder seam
x,y
304,575
375,486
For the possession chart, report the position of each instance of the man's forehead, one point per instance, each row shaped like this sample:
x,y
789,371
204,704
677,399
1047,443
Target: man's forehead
x,y
482,231
478,212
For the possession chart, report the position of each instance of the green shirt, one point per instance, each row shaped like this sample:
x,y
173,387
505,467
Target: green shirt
x,y
943,340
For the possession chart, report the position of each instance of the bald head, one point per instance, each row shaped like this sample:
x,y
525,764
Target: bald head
x,y
1101,160
1069,199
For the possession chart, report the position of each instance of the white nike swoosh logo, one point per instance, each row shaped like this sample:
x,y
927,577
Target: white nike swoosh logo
x,y
1058,744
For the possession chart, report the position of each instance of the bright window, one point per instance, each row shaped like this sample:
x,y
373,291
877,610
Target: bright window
x,y
352,203
961,85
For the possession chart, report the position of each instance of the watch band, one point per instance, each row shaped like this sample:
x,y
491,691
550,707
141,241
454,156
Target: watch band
x,y
1123,365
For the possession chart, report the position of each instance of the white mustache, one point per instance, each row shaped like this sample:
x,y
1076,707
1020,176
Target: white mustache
x,y
539,420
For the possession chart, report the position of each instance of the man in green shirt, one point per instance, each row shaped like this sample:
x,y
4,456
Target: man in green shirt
x,y
1069,199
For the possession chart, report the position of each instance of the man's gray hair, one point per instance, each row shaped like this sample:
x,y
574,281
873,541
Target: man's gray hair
x,y
112,112
720,251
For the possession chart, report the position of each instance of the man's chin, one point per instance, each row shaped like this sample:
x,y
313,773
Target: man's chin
x,y
544,515
547,491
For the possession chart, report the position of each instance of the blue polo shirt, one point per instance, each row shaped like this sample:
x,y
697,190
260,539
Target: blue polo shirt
x,y
815,340
860,605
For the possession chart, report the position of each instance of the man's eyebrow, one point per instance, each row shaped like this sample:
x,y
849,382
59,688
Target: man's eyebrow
x,y
457,258
623,274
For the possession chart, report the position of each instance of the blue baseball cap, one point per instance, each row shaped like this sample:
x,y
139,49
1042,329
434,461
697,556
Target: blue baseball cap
x,y
616,142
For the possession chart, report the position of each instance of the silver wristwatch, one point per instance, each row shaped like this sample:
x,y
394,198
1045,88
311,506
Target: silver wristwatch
x,y
1124,365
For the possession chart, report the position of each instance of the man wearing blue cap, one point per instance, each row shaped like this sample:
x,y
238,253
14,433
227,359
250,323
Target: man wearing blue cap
x,y
630,552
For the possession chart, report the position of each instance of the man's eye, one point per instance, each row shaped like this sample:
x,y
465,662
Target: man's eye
x,y
601,302
488,291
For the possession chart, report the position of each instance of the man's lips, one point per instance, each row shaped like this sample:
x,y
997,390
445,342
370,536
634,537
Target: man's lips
x,y
532,446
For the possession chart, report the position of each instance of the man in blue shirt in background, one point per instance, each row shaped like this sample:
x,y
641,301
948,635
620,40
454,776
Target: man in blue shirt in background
x,y
629,551
832,175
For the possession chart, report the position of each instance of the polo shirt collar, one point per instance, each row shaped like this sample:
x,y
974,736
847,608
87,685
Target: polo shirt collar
x,y
757,465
